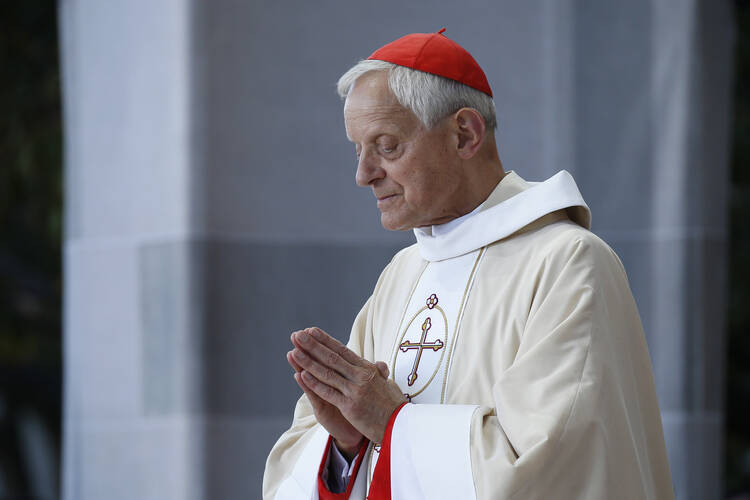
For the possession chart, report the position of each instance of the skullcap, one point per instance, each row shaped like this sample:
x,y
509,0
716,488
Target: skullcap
x,y
437,54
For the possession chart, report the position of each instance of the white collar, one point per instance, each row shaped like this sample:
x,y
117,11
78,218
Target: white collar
x,y
513,204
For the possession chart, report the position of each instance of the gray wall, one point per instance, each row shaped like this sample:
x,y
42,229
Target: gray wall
x,y
211,208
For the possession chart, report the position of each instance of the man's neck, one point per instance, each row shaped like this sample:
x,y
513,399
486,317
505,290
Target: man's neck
x,y
483,185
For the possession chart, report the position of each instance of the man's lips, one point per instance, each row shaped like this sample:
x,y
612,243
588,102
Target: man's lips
x,y
383,200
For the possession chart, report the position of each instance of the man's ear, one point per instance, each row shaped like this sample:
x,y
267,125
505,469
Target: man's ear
x,y
470,128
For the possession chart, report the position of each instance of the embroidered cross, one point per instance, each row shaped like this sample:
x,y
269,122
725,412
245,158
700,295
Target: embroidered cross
x,y
420,346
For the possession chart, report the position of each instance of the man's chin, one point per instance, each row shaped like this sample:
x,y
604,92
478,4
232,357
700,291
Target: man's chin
x,y
393,225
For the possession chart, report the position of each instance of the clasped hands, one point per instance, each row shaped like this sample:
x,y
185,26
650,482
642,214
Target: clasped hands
x,y
351,397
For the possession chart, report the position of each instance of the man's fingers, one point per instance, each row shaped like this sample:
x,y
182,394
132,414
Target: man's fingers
x,y
322,354
335,346
324,391
290,359
325,374
315,400
301,384
326,357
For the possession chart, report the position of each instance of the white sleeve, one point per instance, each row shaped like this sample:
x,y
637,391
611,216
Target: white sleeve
x,y
302,482
426,439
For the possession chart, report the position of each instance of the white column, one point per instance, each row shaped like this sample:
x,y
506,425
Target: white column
x,y
127,429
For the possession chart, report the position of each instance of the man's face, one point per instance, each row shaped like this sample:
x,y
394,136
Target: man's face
x,y
412,171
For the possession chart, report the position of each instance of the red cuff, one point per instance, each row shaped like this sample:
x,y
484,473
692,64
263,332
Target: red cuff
x,y
323,492
380,488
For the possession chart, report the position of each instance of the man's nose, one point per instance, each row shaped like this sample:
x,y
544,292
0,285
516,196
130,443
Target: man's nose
x,y
368,169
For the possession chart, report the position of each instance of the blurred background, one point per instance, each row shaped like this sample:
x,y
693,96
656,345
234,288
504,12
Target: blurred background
x,y
183,165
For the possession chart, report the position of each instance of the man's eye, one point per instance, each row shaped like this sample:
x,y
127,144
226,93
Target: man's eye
x,y
388,149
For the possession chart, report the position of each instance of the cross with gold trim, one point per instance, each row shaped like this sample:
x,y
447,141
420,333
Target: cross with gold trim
x,y
420,346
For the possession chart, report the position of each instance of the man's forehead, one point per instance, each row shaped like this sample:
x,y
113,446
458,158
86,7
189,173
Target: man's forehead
x,y
373,119
374,111
371,102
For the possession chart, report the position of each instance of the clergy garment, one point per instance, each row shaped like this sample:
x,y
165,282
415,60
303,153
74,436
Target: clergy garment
x,y
514,331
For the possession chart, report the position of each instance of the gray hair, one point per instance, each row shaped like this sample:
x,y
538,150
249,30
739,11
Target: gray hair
x,y
430,97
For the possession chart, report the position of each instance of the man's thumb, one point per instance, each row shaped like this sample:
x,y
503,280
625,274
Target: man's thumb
x,y
382,368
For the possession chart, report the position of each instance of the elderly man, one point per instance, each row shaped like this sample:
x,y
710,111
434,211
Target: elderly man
x,y
499,357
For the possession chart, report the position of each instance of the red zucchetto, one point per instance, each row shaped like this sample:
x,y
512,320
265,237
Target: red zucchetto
x,y
437,54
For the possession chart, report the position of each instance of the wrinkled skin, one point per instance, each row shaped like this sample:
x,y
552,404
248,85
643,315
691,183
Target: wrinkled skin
x,y
351,397
410,169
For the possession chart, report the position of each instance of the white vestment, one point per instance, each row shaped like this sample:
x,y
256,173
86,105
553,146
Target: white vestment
x,y
515,332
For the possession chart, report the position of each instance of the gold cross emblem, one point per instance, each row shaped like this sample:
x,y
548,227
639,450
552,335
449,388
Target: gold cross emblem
x,y
420,346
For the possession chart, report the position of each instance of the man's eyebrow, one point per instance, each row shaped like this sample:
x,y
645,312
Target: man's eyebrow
x,y
373,138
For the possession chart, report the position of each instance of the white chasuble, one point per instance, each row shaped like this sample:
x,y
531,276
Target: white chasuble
x,y
422,352
420,361
514,332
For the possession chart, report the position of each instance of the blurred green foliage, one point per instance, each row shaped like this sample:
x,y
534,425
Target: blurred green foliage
x,y
737,432
30,228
